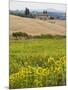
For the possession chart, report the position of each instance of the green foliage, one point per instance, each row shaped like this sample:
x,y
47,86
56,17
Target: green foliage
x,y
52,75
37,63
19,35
52,17
27,12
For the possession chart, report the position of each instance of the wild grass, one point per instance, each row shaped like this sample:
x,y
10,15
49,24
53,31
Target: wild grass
x,y
37,63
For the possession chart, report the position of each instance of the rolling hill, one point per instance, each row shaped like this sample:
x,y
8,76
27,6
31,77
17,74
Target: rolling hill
x,y
36,26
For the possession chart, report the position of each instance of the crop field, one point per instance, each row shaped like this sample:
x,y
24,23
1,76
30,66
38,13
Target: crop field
x,y
36,26
37,63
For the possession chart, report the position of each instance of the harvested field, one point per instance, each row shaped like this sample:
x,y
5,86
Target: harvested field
x,y
36,26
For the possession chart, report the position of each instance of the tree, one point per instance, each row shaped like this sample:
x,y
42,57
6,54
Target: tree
x,y
15,35
44,12
52,17
27,12
19,35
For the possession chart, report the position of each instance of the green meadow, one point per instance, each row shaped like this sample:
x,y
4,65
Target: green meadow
x,y
37,63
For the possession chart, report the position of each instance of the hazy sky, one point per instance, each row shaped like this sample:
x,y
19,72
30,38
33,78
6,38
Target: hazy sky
x,y
22,5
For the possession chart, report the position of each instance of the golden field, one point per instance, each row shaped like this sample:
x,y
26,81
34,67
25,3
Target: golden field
x,y
36,26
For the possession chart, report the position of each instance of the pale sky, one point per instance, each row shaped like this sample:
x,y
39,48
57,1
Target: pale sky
x,y
14,5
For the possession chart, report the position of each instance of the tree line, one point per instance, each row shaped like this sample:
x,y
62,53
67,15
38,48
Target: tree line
x,y
23,35
26,13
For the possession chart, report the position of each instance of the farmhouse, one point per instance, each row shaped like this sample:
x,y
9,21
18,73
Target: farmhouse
x,y
43,16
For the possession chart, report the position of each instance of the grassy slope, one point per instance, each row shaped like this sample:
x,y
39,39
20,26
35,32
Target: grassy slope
x,y
38,46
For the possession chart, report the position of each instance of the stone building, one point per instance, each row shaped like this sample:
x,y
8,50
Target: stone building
x,y
42,16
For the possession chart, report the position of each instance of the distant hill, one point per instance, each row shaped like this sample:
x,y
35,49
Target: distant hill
x,y
36,27
57,15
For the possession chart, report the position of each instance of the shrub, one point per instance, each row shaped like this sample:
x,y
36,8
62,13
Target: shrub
x,y
19,35
51,17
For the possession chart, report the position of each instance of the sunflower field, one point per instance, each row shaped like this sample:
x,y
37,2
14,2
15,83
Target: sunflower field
x,y
37,63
